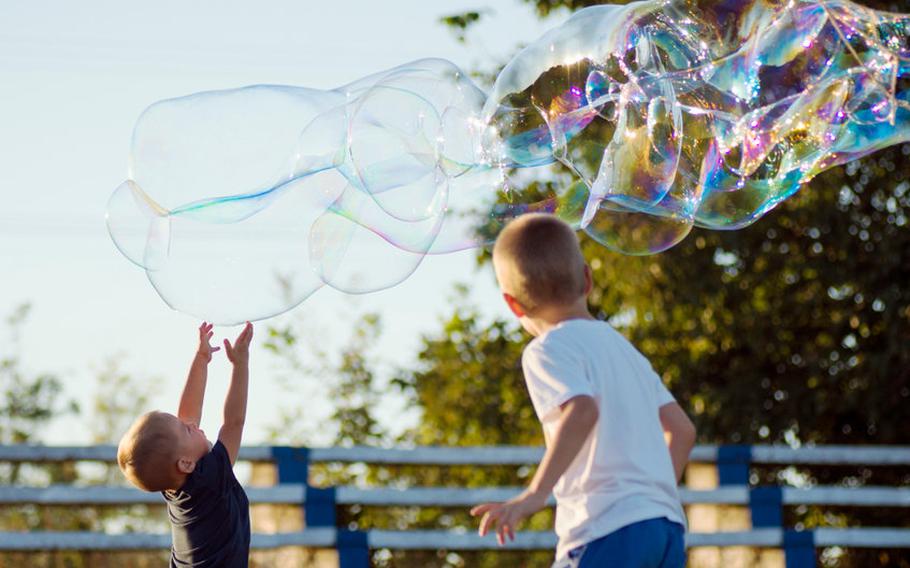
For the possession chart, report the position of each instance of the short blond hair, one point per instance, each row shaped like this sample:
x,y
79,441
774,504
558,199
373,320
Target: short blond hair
x,y
147,453
538,261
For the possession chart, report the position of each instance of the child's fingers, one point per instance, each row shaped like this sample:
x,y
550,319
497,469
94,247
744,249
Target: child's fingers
x,y
489,521
501,535
485,523
481,509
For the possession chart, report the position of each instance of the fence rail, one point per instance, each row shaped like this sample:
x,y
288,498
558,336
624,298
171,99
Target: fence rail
x,y
734,465
296,494
443,539
494,456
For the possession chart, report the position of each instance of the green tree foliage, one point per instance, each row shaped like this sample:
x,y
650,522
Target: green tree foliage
x,y
284,341
350,382
460,23
29,402
468,384
355,394
119,398
545,7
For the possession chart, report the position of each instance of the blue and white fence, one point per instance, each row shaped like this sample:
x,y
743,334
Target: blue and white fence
x,y
320,504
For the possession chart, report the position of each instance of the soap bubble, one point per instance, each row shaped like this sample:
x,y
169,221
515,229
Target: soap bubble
x,y
633,123
242,203
677,115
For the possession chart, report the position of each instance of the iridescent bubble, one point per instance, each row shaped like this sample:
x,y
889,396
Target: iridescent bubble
x,y
677,114
633,123
242,203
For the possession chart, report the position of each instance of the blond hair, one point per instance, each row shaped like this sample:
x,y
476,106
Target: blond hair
x,y
539,262
147,453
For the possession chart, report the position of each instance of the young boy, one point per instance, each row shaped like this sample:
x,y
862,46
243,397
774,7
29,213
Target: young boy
x,y
607,418
207,507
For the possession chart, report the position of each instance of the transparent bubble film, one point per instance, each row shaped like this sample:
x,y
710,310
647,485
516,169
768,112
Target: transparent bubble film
x,y
633,123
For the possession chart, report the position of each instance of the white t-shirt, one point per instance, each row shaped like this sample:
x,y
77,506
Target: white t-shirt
x,y
623,474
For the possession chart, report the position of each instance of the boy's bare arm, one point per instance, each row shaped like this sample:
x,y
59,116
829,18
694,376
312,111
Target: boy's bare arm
x,y
579,415
680,435
190,407
235,401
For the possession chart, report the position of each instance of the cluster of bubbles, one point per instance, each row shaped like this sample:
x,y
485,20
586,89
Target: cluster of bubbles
x,y
639,121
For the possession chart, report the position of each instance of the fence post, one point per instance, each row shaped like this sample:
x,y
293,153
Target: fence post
x,y
293,464
733,464
353,549
320,505
799,549
319,502
766,505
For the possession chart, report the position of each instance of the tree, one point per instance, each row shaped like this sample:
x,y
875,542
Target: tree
x,y
468,384
355,394
29,403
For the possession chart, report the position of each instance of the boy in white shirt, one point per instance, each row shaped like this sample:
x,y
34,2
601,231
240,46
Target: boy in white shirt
x,y
617,442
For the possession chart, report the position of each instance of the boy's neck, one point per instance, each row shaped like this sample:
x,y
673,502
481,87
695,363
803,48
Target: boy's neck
x,y
548,317
179,481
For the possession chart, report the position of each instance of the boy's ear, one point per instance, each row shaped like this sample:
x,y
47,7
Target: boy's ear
x,y
514,305
589,280
186,466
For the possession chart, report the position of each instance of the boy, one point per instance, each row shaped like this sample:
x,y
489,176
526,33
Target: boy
x,y
607,418
207,507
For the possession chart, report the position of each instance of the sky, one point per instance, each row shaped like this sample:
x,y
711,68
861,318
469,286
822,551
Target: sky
x,y
74,77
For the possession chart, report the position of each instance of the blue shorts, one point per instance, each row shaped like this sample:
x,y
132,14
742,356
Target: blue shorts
x,y
655,543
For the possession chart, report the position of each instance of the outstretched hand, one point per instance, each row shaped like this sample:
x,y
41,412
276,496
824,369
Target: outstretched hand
x,y
205,336
504,517
239,352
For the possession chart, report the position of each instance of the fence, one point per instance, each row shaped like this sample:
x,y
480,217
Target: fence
x,y
319,505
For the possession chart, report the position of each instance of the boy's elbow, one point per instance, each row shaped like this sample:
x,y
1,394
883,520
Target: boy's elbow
x,y
677,425
688,433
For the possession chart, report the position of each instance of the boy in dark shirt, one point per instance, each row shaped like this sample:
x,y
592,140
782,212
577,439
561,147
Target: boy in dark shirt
x,y
207,507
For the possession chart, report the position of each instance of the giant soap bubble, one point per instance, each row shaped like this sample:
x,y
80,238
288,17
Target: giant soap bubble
x,y
241,203
638,121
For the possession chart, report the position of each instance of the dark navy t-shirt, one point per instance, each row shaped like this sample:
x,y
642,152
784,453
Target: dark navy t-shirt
x,y
210,516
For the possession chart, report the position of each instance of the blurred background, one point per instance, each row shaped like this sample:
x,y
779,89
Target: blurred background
x,y
794,330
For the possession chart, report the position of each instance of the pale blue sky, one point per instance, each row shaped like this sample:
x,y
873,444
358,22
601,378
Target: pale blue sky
x,y
74,77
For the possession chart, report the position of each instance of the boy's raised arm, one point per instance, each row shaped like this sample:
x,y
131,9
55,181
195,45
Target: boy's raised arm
x,y
235,401
190,407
